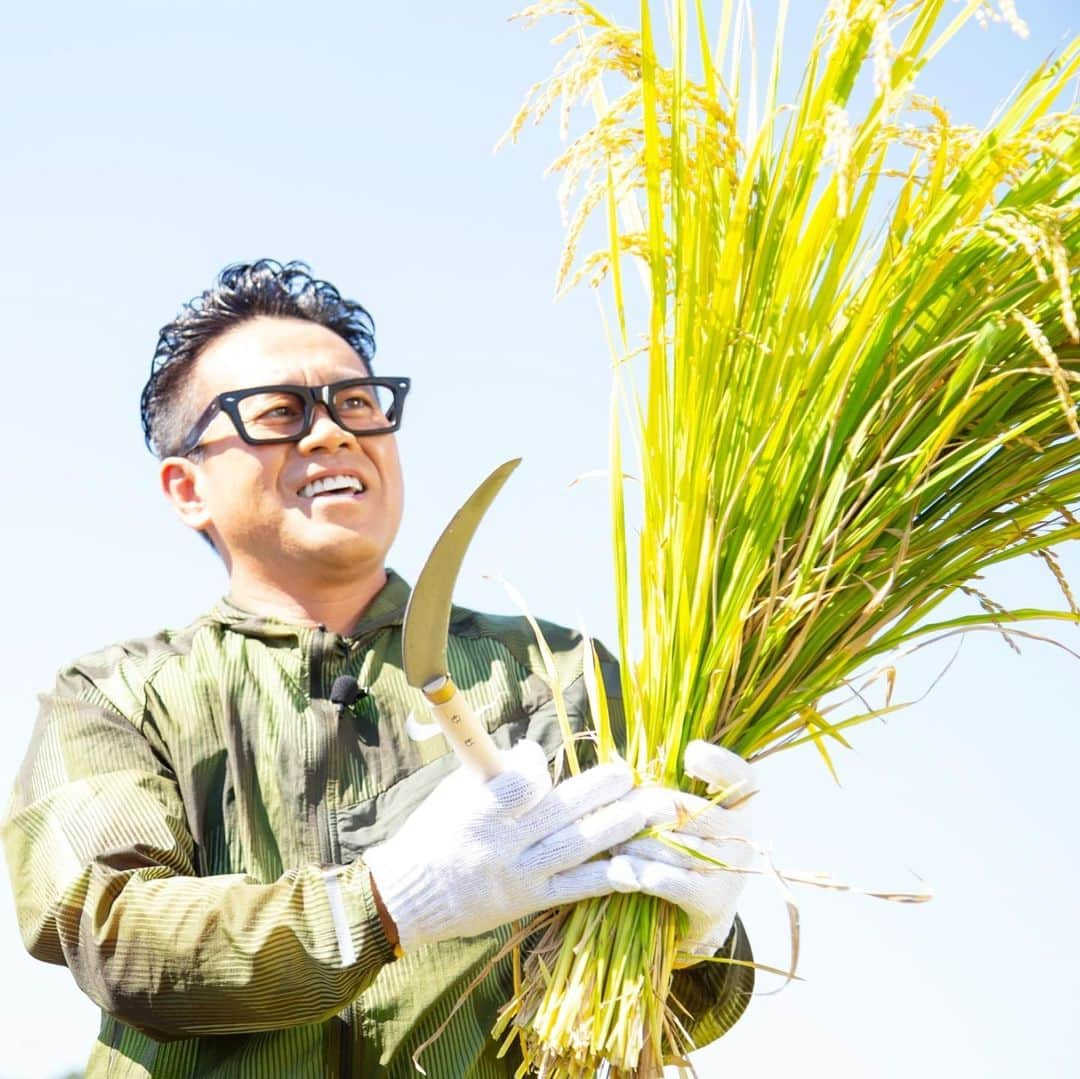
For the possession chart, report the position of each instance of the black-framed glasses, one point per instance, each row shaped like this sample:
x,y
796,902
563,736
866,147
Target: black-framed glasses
x,y
264,414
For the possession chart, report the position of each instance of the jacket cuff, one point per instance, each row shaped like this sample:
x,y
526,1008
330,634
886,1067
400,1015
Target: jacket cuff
x,y
356,924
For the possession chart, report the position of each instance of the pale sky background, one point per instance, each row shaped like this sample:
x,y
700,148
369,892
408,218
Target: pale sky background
x,y
147,144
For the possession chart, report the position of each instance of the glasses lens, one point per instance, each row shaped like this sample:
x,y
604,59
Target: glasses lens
x,y
272,415
364,408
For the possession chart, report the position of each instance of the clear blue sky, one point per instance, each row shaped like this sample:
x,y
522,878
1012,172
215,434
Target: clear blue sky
x,y
149,143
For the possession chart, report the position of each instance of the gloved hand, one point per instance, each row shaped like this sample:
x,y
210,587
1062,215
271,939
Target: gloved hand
x,y
707,892
475,855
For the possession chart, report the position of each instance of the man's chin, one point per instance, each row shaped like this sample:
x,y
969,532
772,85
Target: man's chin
x,y
341,548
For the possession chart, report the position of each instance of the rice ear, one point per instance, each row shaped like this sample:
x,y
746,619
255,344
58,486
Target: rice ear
x,y
839,417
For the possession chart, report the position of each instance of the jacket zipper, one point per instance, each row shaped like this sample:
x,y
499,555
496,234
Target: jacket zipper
x,y
322,738
326,733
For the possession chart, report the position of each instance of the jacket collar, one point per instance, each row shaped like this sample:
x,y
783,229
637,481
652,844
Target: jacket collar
x,y
386,609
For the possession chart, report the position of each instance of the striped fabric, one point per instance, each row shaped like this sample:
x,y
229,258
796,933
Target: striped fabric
x,y
186,800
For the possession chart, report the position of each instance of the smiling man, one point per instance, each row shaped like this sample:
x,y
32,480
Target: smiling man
x,y
250,878
302,524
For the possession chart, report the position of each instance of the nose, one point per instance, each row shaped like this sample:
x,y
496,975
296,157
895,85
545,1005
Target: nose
x,y
325,433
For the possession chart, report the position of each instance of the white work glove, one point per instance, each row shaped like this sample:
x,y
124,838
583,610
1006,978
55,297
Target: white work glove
x,y
476,855
707,892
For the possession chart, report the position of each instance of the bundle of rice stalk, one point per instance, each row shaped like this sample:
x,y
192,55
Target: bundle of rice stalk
x,y
840,414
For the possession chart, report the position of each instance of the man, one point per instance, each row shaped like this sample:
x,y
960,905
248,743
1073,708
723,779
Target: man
x,y
252,879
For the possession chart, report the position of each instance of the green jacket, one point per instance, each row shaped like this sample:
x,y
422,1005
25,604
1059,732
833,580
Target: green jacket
x,y
180,816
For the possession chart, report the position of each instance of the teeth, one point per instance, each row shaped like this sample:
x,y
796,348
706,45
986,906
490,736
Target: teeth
x,y
330,483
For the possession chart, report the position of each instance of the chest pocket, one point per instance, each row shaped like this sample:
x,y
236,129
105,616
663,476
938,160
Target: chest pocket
x,y
372,820
410,757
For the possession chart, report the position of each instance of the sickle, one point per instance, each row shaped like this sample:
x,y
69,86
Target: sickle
x,y
427,622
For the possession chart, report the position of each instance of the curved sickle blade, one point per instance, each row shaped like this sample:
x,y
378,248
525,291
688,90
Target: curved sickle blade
x,y
427,615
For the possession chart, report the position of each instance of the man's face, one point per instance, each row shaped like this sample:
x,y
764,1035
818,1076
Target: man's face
x,y
258,516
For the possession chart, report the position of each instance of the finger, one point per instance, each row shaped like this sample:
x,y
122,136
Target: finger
x,y
709,901
583,839
576,797
592,879
704,898
721,769
688,814
682,887
691,853
524,781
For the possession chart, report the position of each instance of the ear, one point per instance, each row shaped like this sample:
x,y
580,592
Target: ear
x,y
182,483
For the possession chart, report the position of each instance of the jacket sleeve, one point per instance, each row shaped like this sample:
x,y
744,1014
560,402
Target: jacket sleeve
x,y
102,866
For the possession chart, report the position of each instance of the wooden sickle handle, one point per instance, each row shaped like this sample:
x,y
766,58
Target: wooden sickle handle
x,y
468,739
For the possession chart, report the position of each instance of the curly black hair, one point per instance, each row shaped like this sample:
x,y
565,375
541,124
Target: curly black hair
x,y
243,291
